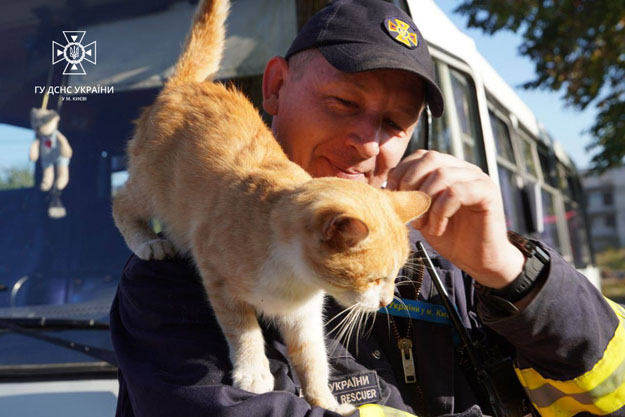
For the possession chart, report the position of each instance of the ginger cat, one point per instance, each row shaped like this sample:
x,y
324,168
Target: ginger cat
x,y
267,239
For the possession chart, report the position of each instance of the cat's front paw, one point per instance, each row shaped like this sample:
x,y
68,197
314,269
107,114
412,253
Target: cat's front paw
x,y
328,402
345,409
156,249
256,378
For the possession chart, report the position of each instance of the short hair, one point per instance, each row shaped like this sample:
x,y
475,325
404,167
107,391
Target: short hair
x,y
299,62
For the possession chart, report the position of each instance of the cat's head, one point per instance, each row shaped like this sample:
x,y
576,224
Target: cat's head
x,y
351,238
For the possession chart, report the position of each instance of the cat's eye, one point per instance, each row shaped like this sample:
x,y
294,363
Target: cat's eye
x,y
377,281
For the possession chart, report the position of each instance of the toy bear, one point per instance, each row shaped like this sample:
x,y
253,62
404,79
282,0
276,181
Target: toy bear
x,y
51,148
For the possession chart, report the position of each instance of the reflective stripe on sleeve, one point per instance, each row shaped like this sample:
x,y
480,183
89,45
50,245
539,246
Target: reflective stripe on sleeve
x,y
599,391
376,410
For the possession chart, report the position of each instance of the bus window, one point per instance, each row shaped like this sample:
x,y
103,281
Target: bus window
x,y
466,110
503,144
550,221
441,133
440,140
564,181
547,166
16,169
528,158
512,202
577,234
575,220
509,181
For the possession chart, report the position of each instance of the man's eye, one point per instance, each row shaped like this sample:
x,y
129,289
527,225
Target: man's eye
x,y
393,125
344,102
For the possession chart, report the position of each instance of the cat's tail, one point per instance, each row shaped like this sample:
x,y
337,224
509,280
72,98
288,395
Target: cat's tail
x,y
204,46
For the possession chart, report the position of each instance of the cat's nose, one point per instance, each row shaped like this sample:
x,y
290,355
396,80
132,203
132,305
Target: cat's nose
x,y
384,303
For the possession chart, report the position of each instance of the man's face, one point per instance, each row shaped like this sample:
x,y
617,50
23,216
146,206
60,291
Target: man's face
x,y
349,125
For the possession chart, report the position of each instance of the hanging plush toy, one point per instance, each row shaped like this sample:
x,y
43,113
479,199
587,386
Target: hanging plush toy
x,y
52,150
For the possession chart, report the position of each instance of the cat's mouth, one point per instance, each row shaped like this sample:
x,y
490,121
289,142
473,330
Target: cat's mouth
x,y
347,300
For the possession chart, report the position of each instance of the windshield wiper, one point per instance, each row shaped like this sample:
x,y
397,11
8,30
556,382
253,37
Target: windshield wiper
x,y
24,327
55,324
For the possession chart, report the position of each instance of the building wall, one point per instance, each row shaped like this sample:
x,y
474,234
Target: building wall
x,y
606,208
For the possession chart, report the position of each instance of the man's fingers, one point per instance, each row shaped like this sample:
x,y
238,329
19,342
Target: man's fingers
x,y
412,172
446,204
443,177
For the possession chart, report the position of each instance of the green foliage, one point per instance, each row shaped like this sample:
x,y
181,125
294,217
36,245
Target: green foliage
x,y
577,46
612,264
611,260
16,177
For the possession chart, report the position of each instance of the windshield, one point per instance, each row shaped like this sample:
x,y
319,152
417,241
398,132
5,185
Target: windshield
x,y
55,264
61,254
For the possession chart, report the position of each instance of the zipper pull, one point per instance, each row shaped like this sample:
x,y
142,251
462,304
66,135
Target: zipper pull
x,y
405,347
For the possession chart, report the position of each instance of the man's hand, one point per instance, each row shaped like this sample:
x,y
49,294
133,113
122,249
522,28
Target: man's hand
x,y
465,222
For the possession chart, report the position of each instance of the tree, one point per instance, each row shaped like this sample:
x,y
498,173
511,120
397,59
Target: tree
x,y
17,177
578,46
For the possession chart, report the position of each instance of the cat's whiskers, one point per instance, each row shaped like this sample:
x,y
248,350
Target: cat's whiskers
x,y
351,327
375,314
337,315
344,325
347,310
363,314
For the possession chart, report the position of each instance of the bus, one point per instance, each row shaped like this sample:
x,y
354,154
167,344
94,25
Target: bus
x,y
61,253
487,124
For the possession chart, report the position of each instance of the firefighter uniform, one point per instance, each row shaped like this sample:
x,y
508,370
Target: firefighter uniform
x,y
568,345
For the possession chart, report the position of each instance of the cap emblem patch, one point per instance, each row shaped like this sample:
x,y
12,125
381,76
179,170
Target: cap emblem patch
x,y
401,32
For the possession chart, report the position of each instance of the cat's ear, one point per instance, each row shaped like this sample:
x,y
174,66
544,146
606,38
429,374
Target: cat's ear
x,y
340,230
409,205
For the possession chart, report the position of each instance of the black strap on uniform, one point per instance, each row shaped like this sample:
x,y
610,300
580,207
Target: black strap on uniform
x,y
508,400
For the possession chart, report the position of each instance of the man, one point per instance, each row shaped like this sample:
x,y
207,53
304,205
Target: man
x,y
345,101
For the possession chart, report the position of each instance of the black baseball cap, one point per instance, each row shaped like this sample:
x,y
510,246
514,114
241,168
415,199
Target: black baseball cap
x,y
363,35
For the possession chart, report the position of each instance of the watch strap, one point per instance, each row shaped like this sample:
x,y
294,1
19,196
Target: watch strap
x,y
536,261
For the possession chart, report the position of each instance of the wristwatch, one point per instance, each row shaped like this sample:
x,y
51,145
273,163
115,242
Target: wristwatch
x,y
536,264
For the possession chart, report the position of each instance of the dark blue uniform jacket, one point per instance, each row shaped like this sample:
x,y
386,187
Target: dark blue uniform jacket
x,y
569,348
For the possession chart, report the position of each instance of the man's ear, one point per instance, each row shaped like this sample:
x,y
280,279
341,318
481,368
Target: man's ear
x,y
273,79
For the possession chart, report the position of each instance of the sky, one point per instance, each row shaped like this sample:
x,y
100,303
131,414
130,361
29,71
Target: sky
x,y
565,124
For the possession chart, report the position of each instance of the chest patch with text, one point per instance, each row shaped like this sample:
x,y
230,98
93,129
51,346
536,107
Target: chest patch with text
x,y
357,389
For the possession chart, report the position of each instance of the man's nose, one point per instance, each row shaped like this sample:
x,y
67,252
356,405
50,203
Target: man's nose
x,y
365,138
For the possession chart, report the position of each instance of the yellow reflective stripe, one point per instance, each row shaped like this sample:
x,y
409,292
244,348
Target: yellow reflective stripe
x,y
568,406
612,357
599,391
376,410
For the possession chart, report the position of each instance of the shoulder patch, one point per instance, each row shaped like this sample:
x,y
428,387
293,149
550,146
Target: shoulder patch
x,y
401,32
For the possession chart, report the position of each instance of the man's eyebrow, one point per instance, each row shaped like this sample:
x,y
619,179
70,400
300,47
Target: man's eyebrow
x,y
408,110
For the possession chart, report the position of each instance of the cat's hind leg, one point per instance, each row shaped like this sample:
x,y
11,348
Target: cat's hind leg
x,y
133,221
